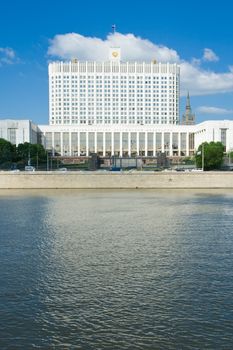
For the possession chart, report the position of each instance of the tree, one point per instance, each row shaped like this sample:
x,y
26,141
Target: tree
x,y
6,151
230,156
213,155
33,152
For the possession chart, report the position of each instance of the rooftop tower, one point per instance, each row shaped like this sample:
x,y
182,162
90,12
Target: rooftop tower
x,y
188,117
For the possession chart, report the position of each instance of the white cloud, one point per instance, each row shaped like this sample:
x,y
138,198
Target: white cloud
x,y
73,45
210,55
204,82
214,110
7,55
194,78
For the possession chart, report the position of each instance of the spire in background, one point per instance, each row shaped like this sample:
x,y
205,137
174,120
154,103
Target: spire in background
x,y
188,117
188,106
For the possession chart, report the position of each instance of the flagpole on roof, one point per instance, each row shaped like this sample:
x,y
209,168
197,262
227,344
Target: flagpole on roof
x,y
114,28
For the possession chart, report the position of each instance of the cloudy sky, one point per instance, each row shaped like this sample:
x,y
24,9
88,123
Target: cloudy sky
x,y
198,36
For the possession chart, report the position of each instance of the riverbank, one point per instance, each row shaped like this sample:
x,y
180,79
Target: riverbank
x,y
115,180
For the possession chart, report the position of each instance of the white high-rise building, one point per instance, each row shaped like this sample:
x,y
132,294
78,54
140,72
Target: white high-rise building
x,y
115,108
113,92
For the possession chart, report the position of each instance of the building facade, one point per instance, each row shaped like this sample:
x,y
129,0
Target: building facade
x,y
116,108
19,131
135,140
113,92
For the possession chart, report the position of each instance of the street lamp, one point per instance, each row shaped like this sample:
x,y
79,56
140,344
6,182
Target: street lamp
x,y
29,155
47,161
229,157
203,157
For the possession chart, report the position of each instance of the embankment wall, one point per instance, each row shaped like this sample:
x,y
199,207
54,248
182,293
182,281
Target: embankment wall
x,y
97,180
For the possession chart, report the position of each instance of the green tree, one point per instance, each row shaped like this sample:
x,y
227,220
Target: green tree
x,y
6,151
188,161
33,152
213,155
230,156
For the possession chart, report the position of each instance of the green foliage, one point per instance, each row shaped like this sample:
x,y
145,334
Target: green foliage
x,y
7,151
213,155
188,161
20,155
230,156
34,152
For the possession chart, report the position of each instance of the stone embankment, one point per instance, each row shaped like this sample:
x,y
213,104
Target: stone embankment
x,y
115,180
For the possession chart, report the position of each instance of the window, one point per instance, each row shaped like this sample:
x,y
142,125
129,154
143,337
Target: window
x,y
158,142
183,144
224,138
108,143
11,135
91,141
125,150
150,139
82,143
57,142
66,143
141,143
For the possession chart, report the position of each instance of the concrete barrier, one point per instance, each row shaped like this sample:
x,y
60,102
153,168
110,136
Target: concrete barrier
x,y
114,180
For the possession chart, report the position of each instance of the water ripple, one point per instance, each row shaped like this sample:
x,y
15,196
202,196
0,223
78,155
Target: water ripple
x,y
116,270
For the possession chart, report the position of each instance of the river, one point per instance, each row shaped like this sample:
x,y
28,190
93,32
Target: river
x,y
126,269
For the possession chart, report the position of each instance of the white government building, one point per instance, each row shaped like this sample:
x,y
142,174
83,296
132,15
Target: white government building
x,y
119,108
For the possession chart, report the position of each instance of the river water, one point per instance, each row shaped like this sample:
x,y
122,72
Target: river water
x,y
113,270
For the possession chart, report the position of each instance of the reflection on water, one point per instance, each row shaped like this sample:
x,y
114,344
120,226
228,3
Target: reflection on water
x,y
116,270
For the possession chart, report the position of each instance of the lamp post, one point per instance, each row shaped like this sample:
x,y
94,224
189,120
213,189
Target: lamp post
x,y
203,157
37,160
47,161
229,157
29,155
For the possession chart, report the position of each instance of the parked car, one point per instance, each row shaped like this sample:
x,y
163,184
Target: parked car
x,y
29,168
62,169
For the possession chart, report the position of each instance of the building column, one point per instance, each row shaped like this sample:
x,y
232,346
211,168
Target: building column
x,y
162,141
95,135
170,150
112,143
61,143
70,150
53,143
146,143
87,143
121,144
154,144
187,144
179,144
129,144
78,144
104,144
137,143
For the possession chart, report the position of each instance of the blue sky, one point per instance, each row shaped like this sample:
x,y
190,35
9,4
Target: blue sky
x,y
197,35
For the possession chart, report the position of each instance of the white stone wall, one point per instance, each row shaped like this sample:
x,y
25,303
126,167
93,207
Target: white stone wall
x,y
211,131
18,131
